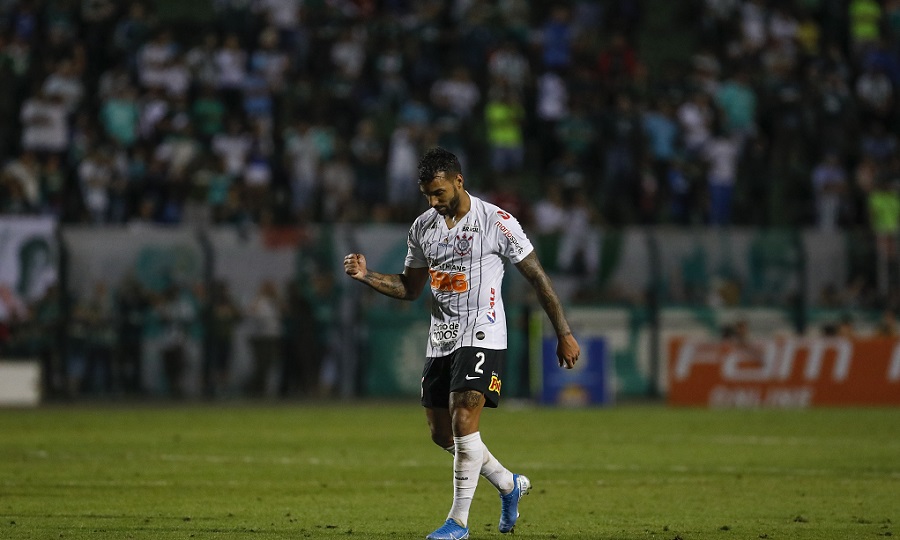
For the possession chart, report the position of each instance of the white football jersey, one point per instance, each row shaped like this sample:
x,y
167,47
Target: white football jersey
x,y
466,264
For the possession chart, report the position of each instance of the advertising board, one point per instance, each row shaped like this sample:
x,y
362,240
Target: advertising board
x,y
784,372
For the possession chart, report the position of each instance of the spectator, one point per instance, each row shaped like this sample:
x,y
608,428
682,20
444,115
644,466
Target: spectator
x,y
230,61
504,118
579,245
65,83
696,116
865,23
338,182
737,101
208,113
201,60
154,58
622,140
456,92
508,65
131,305
155,108
367,152
96,313
348,54
663,134
302,161
176,310
269,61
618,63
225,316
264,316
402,160
45,127
120,115
577,133
829,182
233,147
721,153
556,38
95,176
875,94
884,215
25,173
551,106
131,32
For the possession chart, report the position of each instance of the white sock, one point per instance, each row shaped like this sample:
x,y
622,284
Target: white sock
x,y
492,470
467,459
495,473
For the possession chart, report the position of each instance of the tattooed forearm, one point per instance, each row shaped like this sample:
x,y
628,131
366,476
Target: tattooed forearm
x,y
392,285
531,268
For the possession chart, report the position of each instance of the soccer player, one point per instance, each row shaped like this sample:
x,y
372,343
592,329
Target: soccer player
x,y
458,247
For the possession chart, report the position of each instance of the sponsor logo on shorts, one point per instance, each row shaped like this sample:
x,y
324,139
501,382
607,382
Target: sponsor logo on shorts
x,y
495,384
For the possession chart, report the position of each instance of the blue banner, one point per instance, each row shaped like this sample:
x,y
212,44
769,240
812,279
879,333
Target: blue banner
x,y
588,383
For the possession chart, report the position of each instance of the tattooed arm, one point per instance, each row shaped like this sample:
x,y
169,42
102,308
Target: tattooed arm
x,y
405,286
567,350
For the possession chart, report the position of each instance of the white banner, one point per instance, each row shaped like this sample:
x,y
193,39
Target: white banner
x,y
28,261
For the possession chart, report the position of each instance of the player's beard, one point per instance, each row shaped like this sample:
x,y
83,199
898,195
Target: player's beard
x,y
449,210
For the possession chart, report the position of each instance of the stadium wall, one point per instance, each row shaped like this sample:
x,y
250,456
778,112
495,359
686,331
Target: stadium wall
x,y
654,284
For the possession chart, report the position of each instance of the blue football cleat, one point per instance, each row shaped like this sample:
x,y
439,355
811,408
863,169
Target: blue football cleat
x,y
450,530
509,503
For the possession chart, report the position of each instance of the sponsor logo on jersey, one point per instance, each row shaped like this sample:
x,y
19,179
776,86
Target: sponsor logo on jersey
x,y
509,236
444,335
495,384
491,314
471,228
449,281
463,245
445,243
503,214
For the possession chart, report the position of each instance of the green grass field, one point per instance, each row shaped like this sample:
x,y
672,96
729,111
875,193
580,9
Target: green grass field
x,y
369,470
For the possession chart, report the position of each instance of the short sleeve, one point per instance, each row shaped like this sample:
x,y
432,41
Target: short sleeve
x,y
415,255
514,244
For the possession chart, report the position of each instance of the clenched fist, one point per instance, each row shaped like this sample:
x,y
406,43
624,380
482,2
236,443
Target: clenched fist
x,y
355,265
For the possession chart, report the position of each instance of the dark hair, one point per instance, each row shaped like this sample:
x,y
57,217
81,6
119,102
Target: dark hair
x,y
438,160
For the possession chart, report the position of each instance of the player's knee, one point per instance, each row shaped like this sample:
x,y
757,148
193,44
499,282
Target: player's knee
x,y
444,440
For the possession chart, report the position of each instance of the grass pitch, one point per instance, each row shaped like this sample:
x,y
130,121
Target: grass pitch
x,y
369,470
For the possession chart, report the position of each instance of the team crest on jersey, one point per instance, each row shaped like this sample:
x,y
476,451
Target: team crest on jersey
x,y
463,245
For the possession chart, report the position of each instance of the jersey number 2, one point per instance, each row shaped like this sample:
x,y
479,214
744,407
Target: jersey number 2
x,y
480,363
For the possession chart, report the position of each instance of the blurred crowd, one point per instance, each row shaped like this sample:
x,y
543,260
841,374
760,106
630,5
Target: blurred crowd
x,y
185,340
773,113
570,114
